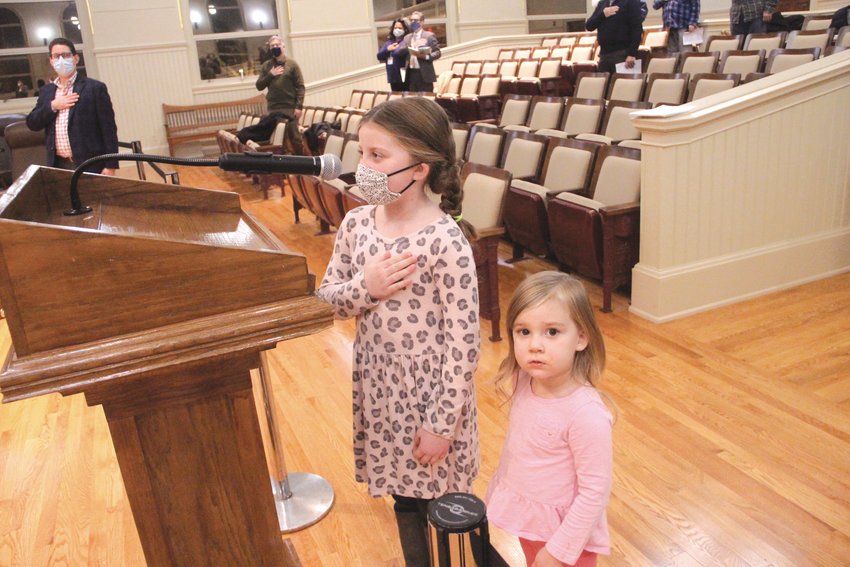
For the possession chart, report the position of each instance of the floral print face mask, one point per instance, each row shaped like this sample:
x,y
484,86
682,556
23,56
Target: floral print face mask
x,y
375,185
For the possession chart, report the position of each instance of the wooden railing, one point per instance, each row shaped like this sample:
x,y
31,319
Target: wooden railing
x,y
201,121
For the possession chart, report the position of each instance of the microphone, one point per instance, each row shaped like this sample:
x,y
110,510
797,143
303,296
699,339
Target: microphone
x,y
327,166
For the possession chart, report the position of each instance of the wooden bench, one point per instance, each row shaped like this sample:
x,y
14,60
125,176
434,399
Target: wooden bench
x,y
201,121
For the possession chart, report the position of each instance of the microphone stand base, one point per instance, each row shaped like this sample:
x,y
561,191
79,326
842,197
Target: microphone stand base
x,y
79,211
311,499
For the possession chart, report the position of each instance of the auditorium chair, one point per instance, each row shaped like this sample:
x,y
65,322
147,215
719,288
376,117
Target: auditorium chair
x,y
654,40
706,84
522,155
567,166
484,190
582,115
473,67
545,112
661,62
813,22
626,86
616,123
485,145
741,62
667,88
598,235
721,43
460,134
695,62
808,39
483,105
25,147
380,97
591,85
782,59
514,110
331,190
765,41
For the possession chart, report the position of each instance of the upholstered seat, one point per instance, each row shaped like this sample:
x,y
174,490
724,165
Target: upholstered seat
x,y
567,167
667,88
782,59
706,84
582,115
694,62
485,145
626,86
741,62
591,85
484,190
597,235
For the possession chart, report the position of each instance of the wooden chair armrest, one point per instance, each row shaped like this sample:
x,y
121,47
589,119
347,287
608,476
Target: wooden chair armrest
x,y
491,231
619,210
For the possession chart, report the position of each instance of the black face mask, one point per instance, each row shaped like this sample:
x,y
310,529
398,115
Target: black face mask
x,y
276,51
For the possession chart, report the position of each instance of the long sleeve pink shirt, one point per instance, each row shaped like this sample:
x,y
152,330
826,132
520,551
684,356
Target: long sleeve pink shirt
x,y
554,476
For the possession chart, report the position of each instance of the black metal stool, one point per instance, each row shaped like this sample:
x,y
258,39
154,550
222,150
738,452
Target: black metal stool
x,y
462,514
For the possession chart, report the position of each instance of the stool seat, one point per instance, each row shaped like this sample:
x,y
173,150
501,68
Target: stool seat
x,y
457,512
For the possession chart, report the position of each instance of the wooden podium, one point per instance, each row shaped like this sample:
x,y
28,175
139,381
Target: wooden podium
x,y
157,305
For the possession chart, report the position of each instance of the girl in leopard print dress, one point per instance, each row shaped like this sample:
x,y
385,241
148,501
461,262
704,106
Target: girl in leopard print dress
x,y
404,268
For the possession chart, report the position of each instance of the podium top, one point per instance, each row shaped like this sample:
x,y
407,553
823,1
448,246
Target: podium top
x,y
147,256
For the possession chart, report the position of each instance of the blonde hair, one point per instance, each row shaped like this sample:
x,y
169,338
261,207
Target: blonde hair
x,y
423,129
539,288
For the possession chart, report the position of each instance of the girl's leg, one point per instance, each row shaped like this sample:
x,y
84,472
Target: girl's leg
x,y
411,515
531,548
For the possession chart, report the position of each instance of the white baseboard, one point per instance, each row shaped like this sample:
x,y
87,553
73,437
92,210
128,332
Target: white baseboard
x,y
668,294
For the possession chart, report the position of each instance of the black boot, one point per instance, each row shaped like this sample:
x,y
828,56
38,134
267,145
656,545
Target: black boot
x,y
411,518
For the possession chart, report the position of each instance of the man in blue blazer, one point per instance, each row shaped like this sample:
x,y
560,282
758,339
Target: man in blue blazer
x,y
76,114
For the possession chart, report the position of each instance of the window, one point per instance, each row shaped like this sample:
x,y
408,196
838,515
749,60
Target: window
x,y
434,12
25,30
555,16
231,35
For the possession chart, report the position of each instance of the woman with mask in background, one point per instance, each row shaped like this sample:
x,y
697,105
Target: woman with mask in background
x,y
394,54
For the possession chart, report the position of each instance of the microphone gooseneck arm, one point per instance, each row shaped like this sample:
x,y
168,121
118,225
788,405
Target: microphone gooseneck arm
x,y
327,166
77,207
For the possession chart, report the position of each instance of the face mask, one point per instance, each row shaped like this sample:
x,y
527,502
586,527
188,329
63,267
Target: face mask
x,y
398,33
415,25
375,185
64,67
276,51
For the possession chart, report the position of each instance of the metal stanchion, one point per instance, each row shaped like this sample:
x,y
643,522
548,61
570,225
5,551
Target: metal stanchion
x,y
301,499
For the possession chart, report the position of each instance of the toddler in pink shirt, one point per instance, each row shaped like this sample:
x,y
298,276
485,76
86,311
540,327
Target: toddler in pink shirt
x,y
554,477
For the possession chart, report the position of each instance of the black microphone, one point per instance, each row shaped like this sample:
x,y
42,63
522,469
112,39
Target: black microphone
x,y
327,166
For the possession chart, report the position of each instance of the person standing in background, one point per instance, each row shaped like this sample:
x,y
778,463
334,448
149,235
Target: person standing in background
x,y
677,16
618,31
75,113
394,54
285,96
750,16
424,49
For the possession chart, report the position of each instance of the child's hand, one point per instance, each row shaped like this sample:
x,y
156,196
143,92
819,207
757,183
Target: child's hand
x,y
387,274
429,448
545,559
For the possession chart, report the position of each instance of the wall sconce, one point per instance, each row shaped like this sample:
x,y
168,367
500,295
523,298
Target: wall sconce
x,y
259,17
44,34
195,18
211,9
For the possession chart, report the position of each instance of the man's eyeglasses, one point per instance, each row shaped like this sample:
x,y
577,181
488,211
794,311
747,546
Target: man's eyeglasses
x,y
57,56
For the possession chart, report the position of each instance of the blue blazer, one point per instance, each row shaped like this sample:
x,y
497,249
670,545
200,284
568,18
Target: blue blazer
x,y
399,56
91,123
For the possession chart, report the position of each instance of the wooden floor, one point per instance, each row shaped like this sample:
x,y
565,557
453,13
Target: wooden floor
x,y
732,444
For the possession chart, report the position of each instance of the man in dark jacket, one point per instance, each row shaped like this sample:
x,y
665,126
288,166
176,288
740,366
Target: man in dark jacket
x,y
424,49
618,31
76,115
285,96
